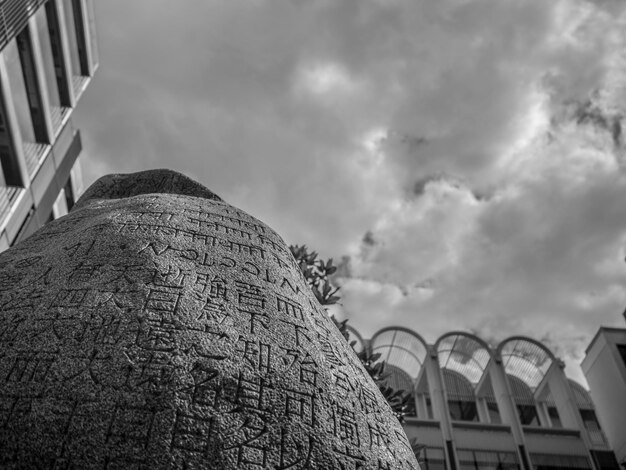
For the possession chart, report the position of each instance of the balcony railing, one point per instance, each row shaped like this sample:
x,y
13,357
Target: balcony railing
x,y
14,15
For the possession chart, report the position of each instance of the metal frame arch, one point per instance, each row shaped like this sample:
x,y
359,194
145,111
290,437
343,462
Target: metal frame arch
x,y
527,370
474,372
527,339
391,346
581,396
403,329
467,334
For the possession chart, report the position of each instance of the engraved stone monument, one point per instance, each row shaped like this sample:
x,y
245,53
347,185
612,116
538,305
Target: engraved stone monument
x,y
157,327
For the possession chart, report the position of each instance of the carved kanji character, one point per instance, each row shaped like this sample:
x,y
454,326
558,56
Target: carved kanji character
x,y
256,353
301,405
252,394
250,445
212,311
84,272
345,425
33,367
295,451
157,334
214,284
163,299
173,277
250,296
192,433
290,308
130,425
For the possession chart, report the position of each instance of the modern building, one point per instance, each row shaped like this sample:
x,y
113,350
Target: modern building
x,y
480,407
604,367
48,54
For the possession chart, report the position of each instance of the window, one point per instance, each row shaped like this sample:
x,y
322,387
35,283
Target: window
x,y
621,348
605,460
494,413
33,95
69,194
49,69
528,415
558,462
429,408
10,172
79,29
487,460
555,419
56,46
432,458
463,410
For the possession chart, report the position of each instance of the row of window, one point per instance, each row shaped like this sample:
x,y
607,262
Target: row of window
x,y
47,65
433,458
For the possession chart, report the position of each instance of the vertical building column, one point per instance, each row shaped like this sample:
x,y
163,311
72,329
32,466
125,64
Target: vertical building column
x,y
19,170
65,49
86,8
440,405
566,403
40,77
481,408
507,408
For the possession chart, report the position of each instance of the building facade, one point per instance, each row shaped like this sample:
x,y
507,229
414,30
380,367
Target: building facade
x,y
604,367
479,407
48,54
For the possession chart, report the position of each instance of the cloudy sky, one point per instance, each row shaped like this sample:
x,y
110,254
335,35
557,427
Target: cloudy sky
x,y
464,158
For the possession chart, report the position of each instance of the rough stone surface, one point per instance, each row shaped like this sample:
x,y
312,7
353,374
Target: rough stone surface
x,y
156,326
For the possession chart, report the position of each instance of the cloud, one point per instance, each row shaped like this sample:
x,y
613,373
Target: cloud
x,y
466,156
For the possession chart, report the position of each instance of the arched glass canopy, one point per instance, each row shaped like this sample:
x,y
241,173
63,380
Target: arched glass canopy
x,y
463,353
526,359
582,397
401,348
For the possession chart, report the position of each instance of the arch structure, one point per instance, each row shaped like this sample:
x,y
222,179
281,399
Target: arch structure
x,y
581,396
525,359
401,348
465,354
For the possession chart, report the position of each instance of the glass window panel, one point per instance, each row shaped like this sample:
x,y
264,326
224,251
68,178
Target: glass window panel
x,y
49,72
25,49
92,31
487,460
54,33
622,352
554,417
432,459
462,410
70,24
10,174
69,194
18,92
494,413
558,461
528,415
81,43
429,408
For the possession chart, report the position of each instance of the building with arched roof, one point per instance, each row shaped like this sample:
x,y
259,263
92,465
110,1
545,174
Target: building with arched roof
x,y
477,406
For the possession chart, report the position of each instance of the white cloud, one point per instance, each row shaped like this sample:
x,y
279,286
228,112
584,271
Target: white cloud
x,y
450,131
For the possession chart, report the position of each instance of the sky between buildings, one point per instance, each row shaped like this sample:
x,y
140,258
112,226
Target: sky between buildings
x,y
464,158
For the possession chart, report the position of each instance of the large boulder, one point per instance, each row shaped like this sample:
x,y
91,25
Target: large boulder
x,y
156,326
